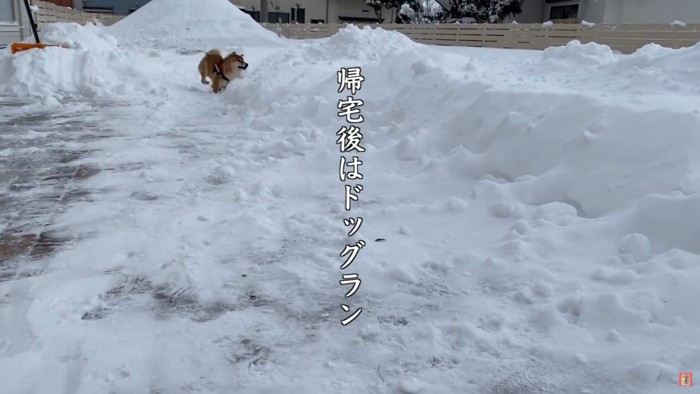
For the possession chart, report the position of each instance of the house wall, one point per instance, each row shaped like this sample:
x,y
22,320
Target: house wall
x,y
593,10
120,7
9,28
652,11
62,3
25,26
617,11
313,9
533,12
16,30
328,11
354,9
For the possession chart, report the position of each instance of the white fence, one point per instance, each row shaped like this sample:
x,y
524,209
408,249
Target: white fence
x,y
625,38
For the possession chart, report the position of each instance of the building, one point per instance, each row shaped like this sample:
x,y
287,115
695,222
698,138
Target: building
x,y
62,3
14,24
116,7
313,11
610,11
279,11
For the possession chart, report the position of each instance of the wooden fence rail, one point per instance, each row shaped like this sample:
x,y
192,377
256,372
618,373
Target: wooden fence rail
x,y
624,38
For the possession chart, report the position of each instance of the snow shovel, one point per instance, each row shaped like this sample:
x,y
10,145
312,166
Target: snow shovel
x,y
23,46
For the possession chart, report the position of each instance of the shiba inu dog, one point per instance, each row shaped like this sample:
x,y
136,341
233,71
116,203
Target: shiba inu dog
x,y
220,70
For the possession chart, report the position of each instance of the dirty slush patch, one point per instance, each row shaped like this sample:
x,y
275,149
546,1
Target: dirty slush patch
x,y
39,178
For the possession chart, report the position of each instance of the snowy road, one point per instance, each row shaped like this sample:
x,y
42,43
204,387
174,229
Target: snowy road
x,y
165,218
176,225
39,177
214,245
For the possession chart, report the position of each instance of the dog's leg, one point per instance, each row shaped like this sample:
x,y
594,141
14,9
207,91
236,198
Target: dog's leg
x,y
204,78
202,73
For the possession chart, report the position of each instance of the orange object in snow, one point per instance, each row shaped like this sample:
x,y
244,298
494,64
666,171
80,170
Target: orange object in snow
x,y
23,46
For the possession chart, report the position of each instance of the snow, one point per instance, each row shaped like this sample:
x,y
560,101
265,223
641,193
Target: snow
x,y
678,23
539,222
548,24
93,65
189,25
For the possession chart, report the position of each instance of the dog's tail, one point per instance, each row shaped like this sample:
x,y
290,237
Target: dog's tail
x,y
214,52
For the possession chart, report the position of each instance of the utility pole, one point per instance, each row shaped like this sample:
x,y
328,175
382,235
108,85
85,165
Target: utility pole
x,y
263,11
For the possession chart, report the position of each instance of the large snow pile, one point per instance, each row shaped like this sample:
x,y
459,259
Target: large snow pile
x,y
547,208
540,226
191,24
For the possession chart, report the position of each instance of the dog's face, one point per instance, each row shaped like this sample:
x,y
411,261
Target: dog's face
x,y
238,60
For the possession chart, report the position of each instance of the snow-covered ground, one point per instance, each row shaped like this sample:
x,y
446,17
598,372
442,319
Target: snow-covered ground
x,y
539,210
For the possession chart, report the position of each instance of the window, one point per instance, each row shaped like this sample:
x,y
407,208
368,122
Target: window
x,y
272,17
564,12
299,15
103,10
7,11
314,21
354,19
254,14
277,17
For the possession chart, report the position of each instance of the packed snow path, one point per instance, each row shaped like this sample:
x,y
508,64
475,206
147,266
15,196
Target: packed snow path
x,y
38,176
540,226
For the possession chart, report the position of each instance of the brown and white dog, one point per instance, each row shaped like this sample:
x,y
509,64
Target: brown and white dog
x,y
221,70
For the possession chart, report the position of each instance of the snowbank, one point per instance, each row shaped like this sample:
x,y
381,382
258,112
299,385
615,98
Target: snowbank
x,y
191,24
594,181
88,37
93,65
547,143
359,45
276,79
638,74
575,53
